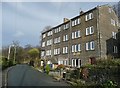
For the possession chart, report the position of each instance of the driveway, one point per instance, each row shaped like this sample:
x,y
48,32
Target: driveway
x,y
24,75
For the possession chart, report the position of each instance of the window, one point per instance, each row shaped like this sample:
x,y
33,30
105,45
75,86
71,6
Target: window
x,y
79,47
76,34
90,45
76,48
88,16
87,46
110,10
57,51
76,22
44,35
72,35
66,26
49,33
65,50
57,40
48,52
64,62
114,35
72,48
115,50
89,30
73,23
57,29
76,62
43,44
49,42
42,53
117,23
65,37
113,22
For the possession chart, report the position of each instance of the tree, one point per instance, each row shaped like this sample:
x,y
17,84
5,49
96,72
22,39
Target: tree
x,y
60,67
34,53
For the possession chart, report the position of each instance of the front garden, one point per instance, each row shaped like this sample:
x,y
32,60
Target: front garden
x,y
103,74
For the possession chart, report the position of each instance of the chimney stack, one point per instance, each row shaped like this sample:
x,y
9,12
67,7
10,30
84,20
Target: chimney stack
x,y
81,12
65,20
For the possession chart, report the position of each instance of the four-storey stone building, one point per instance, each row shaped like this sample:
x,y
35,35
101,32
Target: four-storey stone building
x,y
82,39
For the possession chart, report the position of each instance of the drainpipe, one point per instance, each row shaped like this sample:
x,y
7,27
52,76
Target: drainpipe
x,y
99,34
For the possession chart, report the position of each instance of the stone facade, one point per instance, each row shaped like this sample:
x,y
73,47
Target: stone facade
x,y
83,38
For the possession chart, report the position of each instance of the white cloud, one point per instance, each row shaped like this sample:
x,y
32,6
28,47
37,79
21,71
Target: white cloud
x,y
18,34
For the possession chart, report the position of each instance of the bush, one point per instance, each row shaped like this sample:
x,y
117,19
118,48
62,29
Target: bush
x,y
109,84
75,74
31,63
61,66
4,63
108,62
47,69
7,63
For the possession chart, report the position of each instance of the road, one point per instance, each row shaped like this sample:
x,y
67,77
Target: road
x,y
24,75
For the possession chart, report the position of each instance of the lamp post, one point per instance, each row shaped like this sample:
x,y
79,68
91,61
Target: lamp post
x,y
10,51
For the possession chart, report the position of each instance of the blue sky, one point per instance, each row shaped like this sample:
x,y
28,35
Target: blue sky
x,y
24,21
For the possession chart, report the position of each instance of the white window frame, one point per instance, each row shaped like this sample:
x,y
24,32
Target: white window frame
x,y
78,21
66,26
115,49
73,35
87,46
113,22
49,42
49,33
57,40
42,53
86,17
43,44
110,10
48,52
73,48
91,30
92,43
89,16
79,47
65,50
79,34
65,38
44,35
73,23
87,31
114,35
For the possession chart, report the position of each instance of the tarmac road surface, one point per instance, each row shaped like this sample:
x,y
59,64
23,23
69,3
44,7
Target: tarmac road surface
x,y
24,75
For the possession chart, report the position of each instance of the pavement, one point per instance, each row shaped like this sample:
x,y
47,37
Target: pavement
x,y
24,75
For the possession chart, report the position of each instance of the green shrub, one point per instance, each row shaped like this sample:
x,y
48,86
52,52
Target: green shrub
x,y
109,84
47,69
4,63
